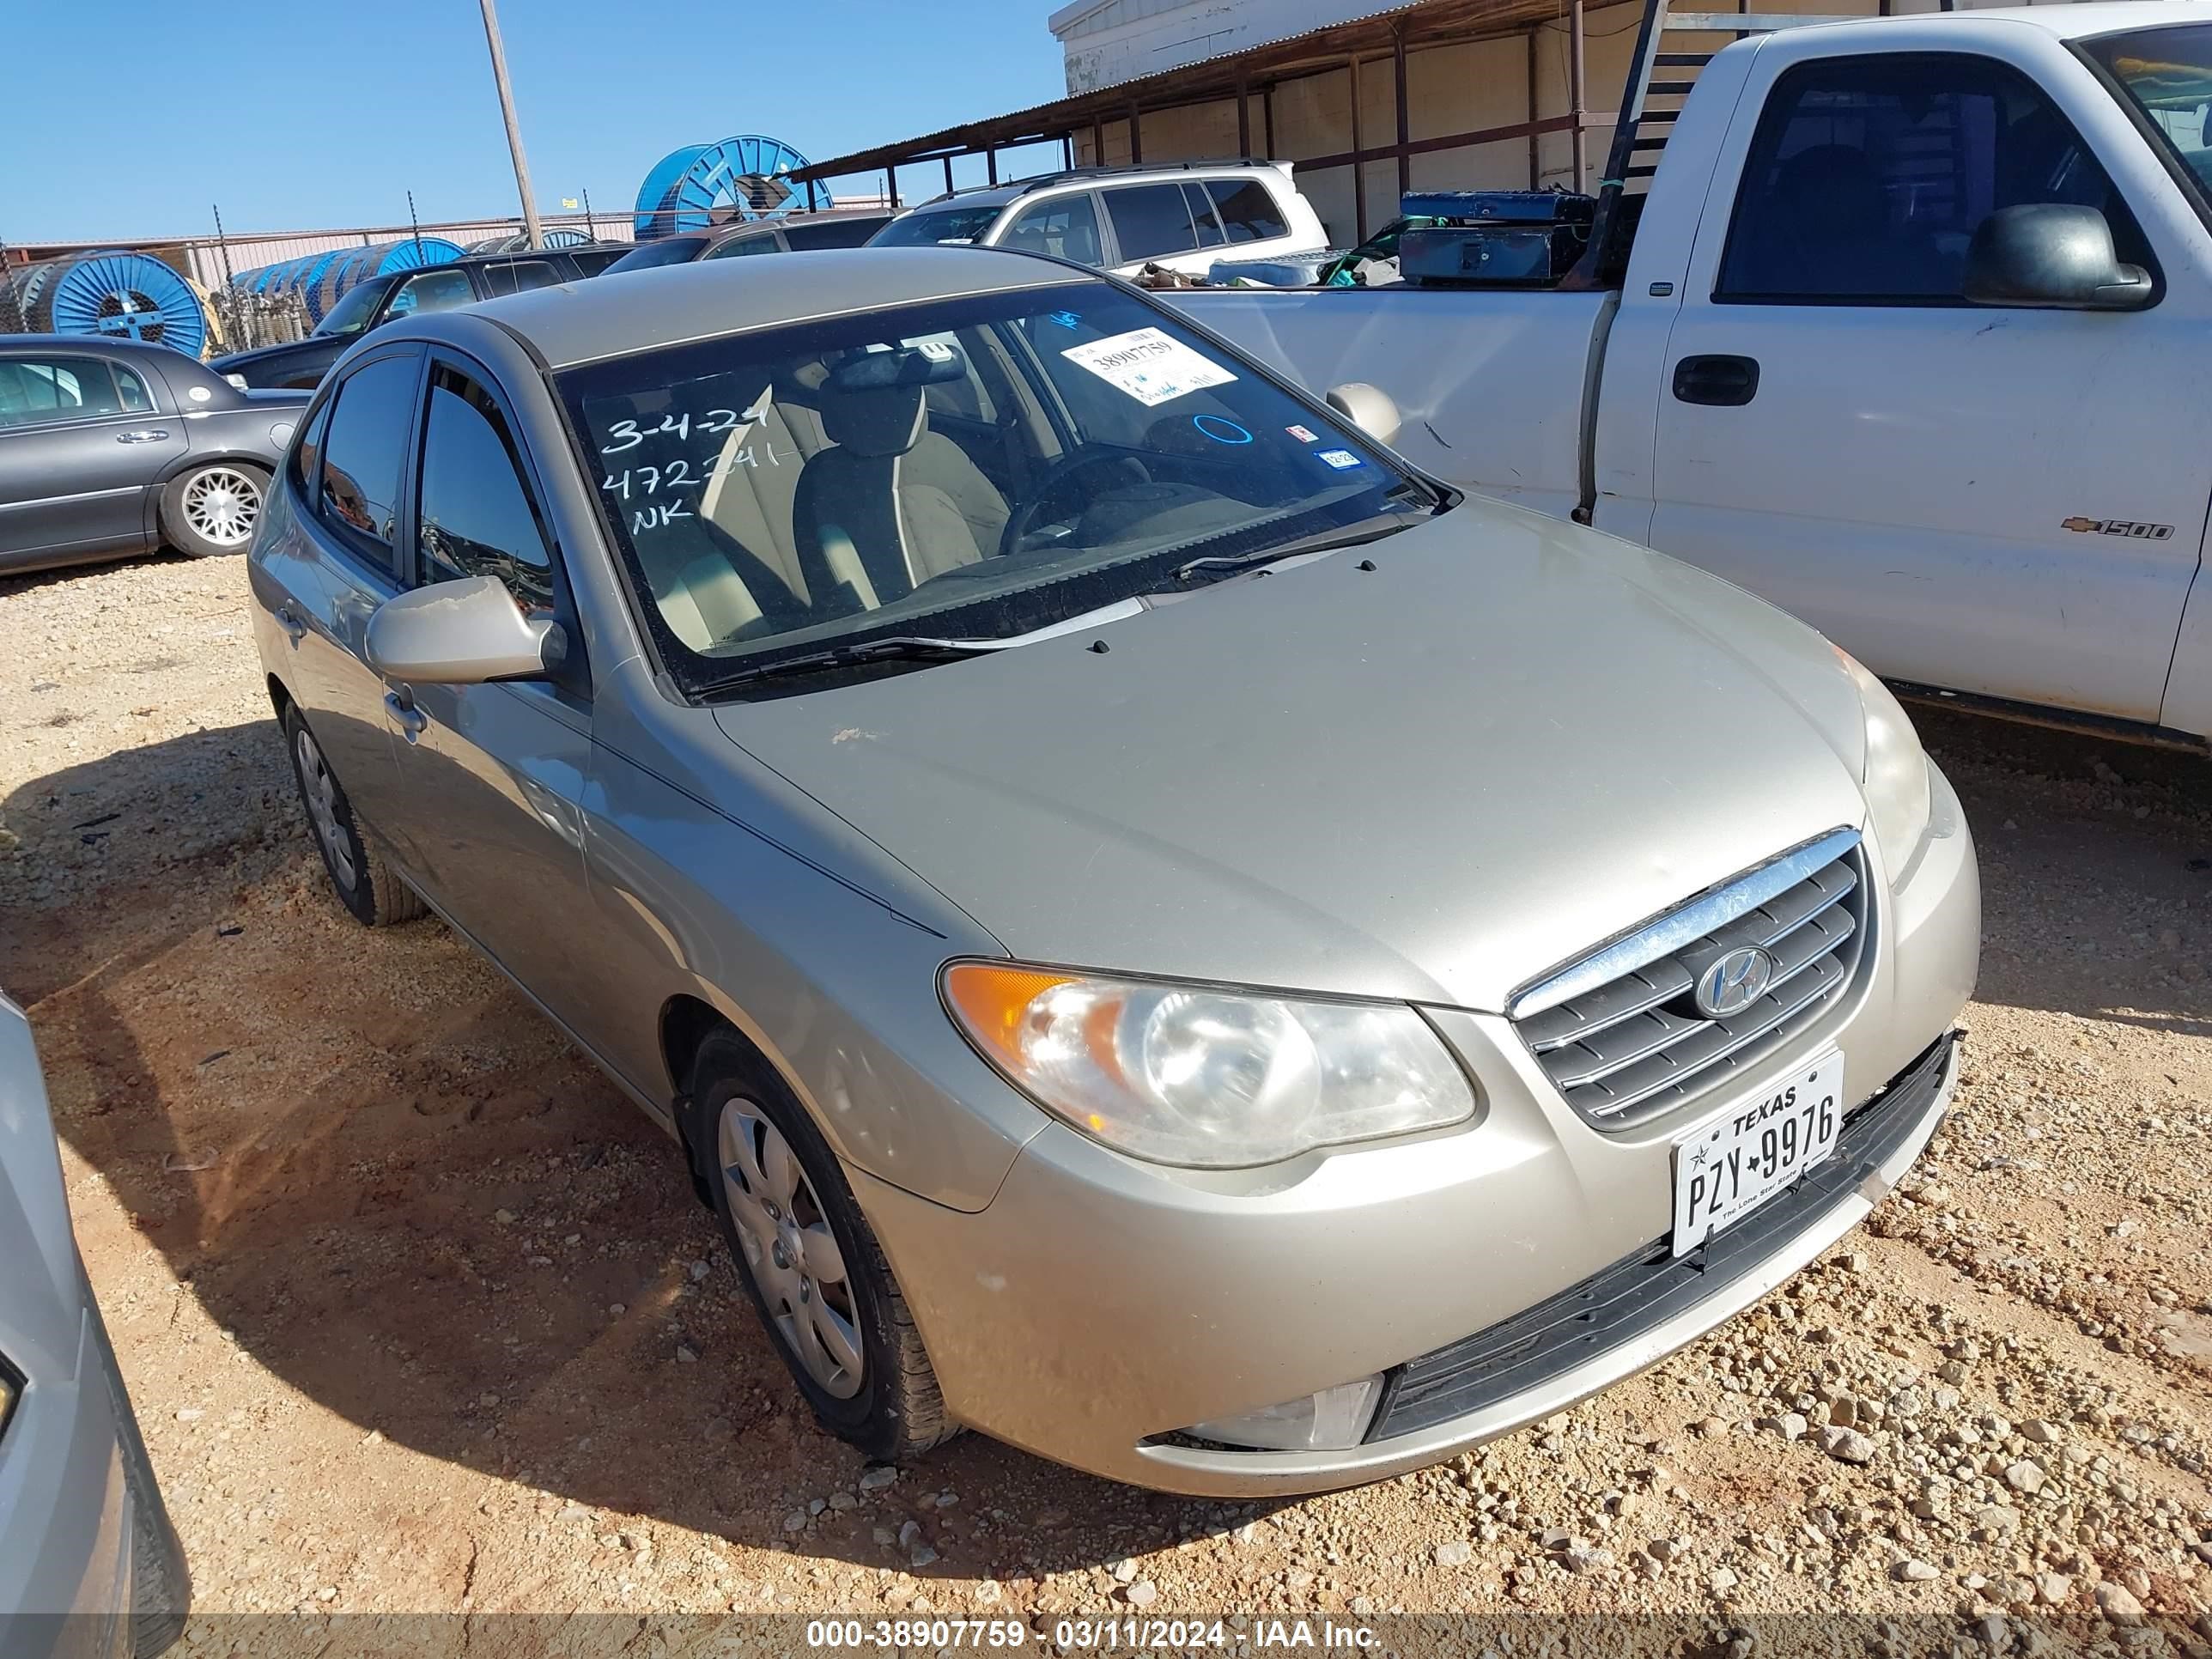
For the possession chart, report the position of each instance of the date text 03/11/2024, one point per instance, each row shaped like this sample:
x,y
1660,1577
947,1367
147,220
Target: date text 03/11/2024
x,y
1126,1635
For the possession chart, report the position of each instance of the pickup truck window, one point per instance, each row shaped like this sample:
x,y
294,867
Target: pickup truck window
x,y
1867,176
2166,74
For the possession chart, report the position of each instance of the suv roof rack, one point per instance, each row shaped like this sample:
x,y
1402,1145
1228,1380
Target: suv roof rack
x,y
1074,175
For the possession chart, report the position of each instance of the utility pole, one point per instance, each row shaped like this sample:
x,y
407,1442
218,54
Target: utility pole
x,y
514,131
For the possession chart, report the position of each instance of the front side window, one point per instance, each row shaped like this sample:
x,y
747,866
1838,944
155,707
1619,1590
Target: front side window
x,y
1248,210
432,290
739,247
1151,220
957,225
676,251
777,493
46,390
1868,176
831,233
355,312
362,448
1067,226
477,517
2166,74
516,277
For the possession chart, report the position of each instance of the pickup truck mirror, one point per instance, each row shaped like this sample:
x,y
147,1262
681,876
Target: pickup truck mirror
x,y
459,633
1367,407
2054,255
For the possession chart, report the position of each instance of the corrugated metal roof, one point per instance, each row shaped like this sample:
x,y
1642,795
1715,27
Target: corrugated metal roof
x,y
1201,82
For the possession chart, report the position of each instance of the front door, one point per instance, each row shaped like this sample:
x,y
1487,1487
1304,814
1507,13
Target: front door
x,y
493,776
1999,500
82,442
331,557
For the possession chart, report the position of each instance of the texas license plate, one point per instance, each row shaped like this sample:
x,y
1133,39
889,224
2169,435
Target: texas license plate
x,y
1754,1148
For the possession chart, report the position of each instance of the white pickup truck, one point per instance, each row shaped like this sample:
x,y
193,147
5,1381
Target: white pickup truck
x,y
1909,336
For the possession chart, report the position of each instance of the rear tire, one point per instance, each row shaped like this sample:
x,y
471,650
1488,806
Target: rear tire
x,y
211,509
362,879
824,1300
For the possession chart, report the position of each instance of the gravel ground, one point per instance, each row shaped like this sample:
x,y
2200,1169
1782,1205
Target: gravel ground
x,y
420,1316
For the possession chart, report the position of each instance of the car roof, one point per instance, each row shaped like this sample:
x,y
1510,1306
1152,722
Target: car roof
x,y
583,322
2067,23
1093,178
113,345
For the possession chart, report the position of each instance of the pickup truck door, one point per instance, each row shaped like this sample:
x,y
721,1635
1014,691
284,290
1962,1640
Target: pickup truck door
x,y
2006,502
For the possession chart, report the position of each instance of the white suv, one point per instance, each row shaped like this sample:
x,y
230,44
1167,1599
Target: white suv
x,y
1183,217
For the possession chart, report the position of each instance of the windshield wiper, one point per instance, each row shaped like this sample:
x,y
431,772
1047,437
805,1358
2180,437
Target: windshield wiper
x,y
912,647
1215,564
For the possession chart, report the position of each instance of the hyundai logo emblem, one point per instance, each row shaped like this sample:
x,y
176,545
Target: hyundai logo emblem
x,y
1733,982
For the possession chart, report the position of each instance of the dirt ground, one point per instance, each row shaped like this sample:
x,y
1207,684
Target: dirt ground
x,y
420,1315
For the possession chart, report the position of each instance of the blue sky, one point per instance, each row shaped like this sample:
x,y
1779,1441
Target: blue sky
x,y
303,115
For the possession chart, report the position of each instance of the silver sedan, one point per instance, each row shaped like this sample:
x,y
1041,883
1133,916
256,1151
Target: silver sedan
x,y
1164,935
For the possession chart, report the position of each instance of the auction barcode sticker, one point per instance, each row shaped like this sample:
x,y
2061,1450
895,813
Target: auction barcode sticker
x,y
1150,366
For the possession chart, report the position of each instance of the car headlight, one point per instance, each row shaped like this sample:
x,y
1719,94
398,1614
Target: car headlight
x,y
1896,781
1191,1075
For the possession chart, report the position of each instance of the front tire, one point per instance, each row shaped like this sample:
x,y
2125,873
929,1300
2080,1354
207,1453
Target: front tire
x,y
818,1277
359,873
211,509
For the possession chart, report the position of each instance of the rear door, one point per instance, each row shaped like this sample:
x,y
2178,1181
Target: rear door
x,y
332,558
81,440
494,773
1995,499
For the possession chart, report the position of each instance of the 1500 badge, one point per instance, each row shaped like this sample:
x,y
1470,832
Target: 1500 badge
x,y
2133,527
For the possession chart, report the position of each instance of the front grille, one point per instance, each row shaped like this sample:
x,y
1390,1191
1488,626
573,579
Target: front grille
x,y
1647,1288
1618,1031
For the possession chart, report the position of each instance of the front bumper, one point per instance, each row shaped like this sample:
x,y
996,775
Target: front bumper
x,y
1099,1304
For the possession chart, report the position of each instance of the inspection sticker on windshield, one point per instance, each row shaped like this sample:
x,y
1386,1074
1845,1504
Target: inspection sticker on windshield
x,y
1304,435
1150,366
1340,458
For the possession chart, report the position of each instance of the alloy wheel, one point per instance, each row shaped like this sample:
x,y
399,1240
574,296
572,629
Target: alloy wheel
x,y
322,791
789,1249
222,505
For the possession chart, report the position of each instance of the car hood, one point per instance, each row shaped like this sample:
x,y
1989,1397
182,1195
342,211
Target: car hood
x,y
236,361
1431,780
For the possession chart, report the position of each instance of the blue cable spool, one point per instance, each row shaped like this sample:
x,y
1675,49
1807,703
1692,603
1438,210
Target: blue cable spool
x,y
703,186
320,281
114,293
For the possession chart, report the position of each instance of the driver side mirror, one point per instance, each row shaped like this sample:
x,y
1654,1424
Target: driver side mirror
x,y
1367,407
2052,255
460,633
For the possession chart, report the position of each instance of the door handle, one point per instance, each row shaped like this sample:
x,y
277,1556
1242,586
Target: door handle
x,y
1723,382
294,627
402,709
141,437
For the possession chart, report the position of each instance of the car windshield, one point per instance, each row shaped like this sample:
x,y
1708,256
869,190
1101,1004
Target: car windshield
x,y
926,227
354,313
676,251
972,469
2166,73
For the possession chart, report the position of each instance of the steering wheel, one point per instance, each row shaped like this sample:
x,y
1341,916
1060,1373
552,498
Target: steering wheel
x,y
1018,525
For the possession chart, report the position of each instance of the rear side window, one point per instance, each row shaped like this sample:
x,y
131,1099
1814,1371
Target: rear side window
x,y
1067,226
519,276
1151,220
45,390
362,448
130,390
307,460
1248,210
591,261
1868,176
478,519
